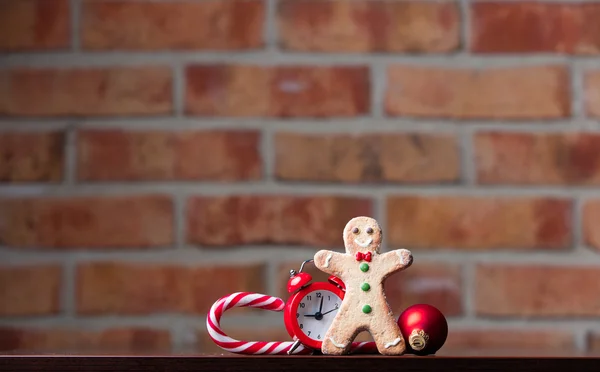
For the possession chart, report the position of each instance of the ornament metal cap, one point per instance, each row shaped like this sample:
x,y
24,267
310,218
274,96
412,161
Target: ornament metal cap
x,y
418,339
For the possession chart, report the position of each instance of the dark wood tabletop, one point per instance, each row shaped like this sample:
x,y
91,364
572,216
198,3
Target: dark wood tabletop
x,y
229,362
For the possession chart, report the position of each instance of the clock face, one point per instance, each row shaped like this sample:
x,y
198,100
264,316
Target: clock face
x,y
316,311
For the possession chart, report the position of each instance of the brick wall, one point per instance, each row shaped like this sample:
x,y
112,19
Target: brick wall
x,y
156,155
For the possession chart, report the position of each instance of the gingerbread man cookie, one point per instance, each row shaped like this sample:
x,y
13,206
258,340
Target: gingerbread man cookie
x,y
363,270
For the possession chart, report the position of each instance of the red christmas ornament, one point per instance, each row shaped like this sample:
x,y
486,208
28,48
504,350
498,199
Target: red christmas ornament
x,y
424,327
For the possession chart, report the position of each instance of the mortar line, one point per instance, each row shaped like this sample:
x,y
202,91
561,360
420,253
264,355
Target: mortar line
x,y
380,215
179,220
270,29
170,188
153,321
577,223
465,25
271,278
468,161
267,151
183,335
518,323
68,288
333,125
175,336
70,155
75,22
252,255
581,339
575,87
275,57
468,289
179,89
579,83
378,86
39,126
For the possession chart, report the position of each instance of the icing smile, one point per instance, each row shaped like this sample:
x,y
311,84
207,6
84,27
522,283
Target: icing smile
x,y
363,245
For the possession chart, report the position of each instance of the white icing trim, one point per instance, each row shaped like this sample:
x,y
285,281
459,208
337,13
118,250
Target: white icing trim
x,y
400,253
336,344
393,343
328,259
363,245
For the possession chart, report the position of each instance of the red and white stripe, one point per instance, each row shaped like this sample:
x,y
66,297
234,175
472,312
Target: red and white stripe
x,y
247,299
257,300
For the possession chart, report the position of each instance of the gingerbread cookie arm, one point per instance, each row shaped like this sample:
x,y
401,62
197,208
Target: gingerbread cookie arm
x,y
329,262
396,260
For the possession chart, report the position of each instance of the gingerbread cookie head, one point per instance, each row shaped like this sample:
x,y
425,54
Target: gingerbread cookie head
x,y
362,234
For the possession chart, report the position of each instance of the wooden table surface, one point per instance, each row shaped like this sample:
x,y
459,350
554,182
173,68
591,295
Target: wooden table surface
x,y
229,362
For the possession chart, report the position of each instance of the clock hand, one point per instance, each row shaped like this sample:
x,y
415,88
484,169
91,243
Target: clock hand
x,y
334,309
321,306
310,315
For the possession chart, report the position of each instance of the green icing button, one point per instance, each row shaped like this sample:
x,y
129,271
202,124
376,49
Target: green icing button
x,y
365,287
364,267
366,309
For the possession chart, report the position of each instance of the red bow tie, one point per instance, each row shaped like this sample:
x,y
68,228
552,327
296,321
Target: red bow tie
x,y
363,256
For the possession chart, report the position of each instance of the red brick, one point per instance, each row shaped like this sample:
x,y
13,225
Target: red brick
x,y
136,288
277,91
369,26
536,290
540,158
511,340
27,25
590,222
530,27
211,155
30,290
86,91
87,222
276,219
70,340
479,223
31,157
216,25
479,93
592,93
433,283
392,157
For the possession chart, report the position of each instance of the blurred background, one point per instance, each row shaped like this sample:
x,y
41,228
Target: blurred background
x,y
157,155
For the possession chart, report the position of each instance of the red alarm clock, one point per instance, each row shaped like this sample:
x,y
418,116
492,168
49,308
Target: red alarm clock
x,y
310,310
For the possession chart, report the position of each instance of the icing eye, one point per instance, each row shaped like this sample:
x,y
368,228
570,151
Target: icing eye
x,y
369,231
355,230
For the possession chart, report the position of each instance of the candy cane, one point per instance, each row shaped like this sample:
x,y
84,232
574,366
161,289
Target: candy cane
x,y
261,301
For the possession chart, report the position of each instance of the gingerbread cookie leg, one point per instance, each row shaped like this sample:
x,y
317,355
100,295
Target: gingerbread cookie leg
x,y
339,337
387,336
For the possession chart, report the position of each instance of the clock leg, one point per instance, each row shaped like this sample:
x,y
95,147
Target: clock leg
x,y
294,347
